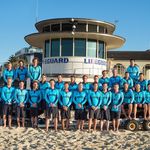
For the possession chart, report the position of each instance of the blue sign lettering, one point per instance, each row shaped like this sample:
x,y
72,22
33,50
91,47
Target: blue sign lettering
x,y
55,60
94,61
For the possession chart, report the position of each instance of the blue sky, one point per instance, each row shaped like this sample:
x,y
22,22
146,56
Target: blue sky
x,y
17,19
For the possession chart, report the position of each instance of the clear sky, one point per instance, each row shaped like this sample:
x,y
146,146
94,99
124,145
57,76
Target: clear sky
x,y
17,19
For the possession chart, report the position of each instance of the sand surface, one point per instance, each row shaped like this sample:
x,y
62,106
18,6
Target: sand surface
x,y
20,138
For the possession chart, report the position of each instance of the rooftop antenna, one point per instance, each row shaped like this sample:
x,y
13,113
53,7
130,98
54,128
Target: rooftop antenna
x,y
37,8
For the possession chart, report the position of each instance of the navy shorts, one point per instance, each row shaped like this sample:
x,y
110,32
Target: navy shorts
x,y
7,109
65,114
42,104
80,114
115,114
94,114
51,111
34,111
105,114
1,108
21,112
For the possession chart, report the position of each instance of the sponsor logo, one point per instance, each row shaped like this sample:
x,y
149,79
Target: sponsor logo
x,y
95,61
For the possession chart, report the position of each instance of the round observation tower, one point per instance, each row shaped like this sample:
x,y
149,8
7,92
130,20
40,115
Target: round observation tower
x,y
74,45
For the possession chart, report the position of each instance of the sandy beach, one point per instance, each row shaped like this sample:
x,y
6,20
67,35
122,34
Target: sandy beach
x,y
20,138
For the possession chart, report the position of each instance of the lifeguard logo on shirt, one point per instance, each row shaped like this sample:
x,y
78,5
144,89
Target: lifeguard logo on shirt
x,y
55,60
95,61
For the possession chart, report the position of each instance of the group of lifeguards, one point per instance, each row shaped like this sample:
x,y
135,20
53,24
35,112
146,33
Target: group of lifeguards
x,y
104,99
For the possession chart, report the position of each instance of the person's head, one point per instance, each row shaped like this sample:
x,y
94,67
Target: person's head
x,y
21,63
104,73
116,87
132,62
114,71
95,86
35,85
85,77
96,78
21,85
66,85
126,86
127,74
72,79
80,86
141,76
43,77
9,66
35,61
52,83
9,81
59,78
105,86
137,87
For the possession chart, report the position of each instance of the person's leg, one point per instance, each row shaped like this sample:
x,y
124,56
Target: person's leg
x,y
67,123
145,111
35,122
82,124
63,124
114,124
95,124
47,124
32,121
117,124
55,124
101,124
18,116
90,123
130,110
9,120
4,120
78,124
149,111
107,125
123,111
135,111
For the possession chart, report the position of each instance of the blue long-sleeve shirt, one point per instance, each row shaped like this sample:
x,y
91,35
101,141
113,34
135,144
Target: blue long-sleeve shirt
x,y
94,99
34,97
134,72
52,97
59,85
103,80
43,87
22,73
115,80
7,95
21,96
65,98
128,96
35,72
143,84
73,87
147,97
8,74
117,99
139,97
106,99
79,98
92,86
86,87
129,81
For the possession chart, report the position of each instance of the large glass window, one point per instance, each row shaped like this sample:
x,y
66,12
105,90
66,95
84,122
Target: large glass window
x,y
55,47
47,48
67,47
80,47
67,27
55,27
101,29
101,50
46,29
92,28
80,27
91,48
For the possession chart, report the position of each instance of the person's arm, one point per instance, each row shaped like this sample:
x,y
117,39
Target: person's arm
x,y
138,71
4,76
109,100
30,73
143,97
60,99
70,101
26,98
39,96
40,72
16,96
56,99
100,101
3,95
46,97
74,99
89,99
132,96
120,100
131,82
